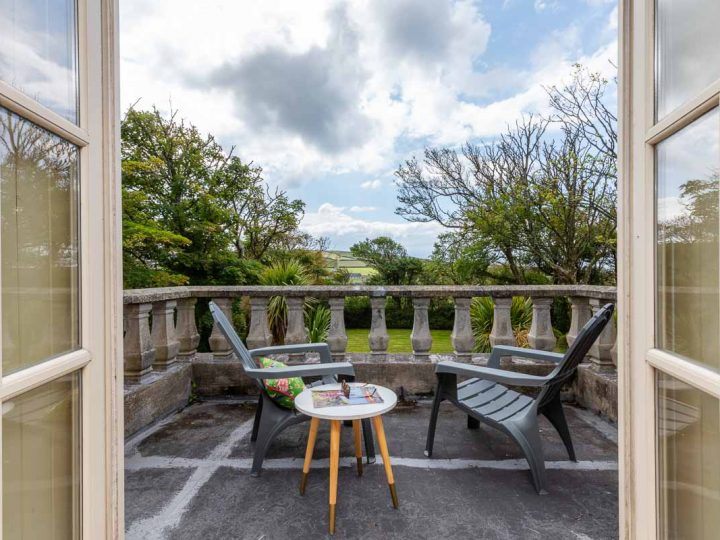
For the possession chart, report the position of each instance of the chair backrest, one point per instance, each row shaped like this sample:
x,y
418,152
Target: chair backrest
x,y
576,353
230,334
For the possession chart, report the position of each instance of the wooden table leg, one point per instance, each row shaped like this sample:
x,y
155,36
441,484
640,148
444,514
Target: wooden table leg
x,y
334,462
357,431
382,442
312,436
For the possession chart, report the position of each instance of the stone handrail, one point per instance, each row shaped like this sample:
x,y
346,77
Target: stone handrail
x,y
173,334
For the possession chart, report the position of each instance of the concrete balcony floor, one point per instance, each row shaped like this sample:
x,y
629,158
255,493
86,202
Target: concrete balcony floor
x,y
189,478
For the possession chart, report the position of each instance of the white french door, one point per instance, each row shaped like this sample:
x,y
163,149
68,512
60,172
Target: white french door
x,y
670,282
60,390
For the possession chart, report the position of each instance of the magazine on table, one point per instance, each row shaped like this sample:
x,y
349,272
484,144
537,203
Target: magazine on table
x,y
359,395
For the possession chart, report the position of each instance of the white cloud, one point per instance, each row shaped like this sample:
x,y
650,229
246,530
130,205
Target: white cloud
x,y
408,67
362,209
335,221
371,184
542,5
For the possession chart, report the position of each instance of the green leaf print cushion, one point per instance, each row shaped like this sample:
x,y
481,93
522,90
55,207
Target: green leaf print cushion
x,y
281,391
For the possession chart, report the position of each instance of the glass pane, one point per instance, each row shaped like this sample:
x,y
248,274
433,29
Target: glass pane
x,y
39,240
688,431
688,50
41,464
688,164
38,52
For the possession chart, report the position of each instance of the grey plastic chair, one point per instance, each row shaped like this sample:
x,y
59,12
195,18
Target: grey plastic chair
x,y
485,398
270,418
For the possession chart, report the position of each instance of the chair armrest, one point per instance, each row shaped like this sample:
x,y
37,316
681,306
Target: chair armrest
x,y
496,375
305,370
532,354
322,348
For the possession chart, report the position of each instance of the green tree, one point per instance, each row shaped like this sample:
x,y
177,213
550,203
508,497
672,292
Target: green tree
x,y
535,202
389,259
193,213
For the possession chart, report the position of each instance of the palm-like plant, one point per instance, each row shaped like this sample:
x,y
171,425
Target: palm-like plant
x,y
317,323
482,314
282,273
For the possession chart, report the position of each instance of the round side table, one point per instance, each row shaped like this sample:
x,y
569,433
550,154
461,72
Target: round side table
x,y
336,415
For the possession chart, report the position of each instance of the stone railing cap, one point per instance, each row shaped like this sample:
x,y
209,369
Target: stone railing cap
x,y
136,296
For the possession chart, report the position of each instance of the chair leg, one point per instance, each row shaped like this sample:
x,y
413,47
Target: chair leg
x,y
368,438
256,422
553,411
527,435
473,423
272,422
433,421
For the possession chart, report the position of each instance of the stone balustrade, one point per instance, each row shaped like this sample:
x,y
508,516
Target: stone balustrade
x,y
161,329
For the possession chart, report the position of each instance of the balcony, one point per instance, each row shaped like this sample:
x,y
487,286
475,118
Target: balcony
x,y
187,466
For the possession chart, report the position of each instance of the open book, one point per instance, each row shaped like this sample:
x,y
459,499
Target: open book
x,y
359,395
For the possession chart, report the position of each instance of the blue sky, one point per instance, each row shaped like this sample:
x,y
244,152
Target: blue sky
x,y
329,97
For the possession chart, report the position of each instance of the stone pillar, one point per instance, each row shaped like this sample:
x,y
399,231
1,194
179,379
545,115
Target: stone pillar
x,y
541,333
186,329
462,336
259,334
139,353
601,351
420,337
502,331
378,337
163,334
337,337
581,313
296,331
218,344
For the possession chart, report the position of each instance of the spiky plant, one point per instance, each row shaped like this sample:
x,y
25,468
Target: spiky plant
x,y
317,323
482,314
281,273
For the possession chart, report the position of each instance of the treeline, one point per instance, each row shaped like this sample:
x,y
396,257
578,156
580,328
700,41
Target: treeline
x,y
196,214
536,205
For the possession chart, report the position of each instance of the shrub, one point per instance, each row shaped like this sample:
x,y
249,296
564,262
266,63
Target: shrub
x,y
482,314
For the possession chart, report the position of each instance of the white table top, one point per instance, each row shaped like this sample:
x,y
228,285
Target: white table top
x,y
304,404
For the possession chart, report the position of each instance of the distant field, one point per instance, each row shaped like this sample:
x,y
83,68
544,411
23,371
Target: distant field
x,y
399,341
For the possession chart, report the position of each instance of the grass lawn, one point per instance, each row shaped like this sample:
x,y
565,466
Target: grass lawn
x,y
399,341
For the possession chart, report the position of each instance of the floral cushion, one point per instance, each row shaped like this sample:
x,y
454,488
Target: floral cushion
x,y
281,391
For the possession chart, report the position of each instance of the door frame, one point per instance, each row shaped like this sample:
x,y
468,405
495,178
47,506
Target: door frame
x,y
99,358
639,359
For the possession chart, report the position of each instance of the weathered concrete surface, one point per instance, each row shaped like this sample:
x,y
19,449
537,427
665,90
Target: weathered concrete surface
x,y
215,377
164,393
597,391
444,497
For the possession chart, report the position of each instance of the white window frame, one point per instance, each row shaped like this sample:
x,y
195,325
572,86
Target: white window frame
x,y
99,358
639,359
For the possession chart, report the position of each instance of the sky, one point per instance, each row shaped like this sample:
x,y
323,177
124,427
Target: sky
x,y
329,97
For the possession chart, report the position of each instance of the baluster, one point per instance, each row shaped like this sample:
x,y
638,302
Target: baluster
x,y
462,336
421,338
502,330
601,351
337,336
581,313
259,334
186,329
296,331
378,338
139,352
541,333
163,334
218,344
